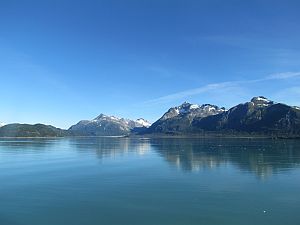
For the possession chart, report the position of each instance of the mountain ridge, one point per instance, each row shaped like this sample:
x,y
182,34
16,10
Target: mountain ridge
x,y
259,116
107,125
29,130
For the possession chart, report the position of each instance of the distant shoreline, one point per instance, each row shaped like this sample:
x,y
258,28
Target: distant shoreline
x,y
157,136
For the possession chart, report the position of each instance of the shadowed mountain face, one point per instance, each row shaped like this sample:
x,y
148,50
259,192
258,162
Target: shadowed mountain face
x,y
259,116
179,119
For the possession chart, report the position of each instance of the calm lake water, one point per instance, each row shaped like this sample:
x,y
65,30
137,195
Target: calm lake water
x,y
112,181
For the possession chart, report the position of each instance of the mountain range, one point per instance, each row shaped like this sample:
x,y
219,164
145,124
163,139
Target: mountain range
x,y
104,125
259,116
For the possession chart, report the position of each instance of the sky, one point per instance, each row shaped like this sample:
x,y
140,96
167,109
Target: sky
x,y
64,61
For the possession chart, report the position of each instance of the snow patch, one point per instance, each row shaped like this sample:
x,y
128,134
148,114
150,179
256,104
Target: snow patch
x,y
296,107
194,106
143,122
209,108
262,99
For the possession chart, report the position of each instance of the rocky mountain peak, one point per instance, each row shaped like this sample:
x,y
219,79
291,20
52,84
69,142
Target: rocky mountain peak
x,y
261,101
142,122
107,125
192,110
106,117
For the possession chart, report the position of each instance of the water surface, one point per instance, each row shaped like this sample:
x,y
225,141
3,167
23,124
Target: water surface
x,y
149,181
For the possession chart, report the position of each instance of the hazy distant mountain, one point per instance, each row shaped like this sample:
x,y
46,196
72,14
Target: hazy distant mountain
x,y
104,125
27,130
179,119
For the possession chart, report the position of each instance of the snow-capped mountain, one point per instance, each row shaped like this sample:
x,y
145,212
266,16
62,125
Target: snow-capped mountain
x,y
107,125
179,118
260,115
192,110
261,101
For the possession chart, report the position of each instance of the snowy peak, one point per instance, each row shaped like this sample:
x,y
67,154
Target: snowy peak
x,y
143,123
131,123
180,118
212,108
187,107
193,110
261,101
107,125
2,124
105,117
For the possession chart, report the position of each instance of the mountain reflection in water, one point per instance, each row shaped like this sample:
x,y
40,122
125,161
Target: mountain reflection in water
x,y
140,181
263,157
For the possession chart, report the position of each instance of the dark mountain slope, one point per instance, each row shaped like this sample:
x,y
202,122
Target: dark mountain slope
x,y
27,130
258,116
178,119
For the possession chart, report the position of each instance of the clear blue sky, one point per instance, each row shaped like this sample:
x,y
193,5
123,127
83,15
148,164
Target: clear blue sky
x,y
63,61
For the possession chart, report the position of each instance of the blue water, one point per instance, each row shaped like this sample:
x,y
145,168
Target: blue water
x,y
149,181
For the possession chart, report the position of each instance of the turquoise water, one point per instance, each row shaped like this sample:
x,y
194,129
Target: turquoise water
x,y
149,181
